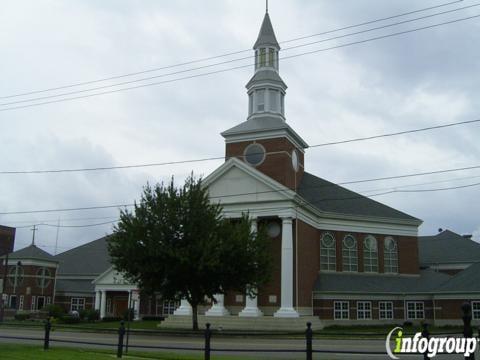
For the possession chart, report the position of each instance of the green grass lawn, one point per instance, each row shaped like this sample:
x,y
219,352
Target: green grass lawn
x,y
25,352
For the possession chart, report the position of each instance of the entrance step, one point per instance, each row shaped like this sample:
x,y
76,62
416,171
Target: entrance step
x,y
232,322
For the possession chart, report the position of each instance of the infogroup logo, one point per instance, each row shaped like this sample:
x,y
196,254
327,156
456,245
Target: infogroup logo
x,y
431,346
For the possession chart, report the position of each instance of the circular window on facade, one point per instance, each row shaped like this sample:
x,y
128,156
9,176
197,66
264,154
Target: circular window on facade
x,y
43,278
349,241
273,229
328,240
15,275
390,244
295,161
254,154
370,243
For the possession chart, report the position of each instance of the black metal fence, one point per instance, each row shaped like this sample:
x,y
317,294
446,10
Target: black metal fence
x,y
122,346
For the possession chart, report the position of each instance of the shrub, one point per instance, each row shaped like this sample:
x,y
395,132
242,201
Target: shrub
x,y
112,318
89,314
55,311
70,319
407,324
153,318
21,316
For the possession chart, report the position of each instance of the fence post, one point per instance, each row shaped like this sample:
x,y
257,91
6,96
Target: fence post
x,y
425,334
208,335
46,341
121,333
308,337
467,327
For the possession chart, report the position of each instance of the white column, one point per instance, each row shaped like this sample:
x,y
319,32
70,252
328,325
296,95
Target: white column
x,y
136,308
97,300
218,309
184,309
286,298
103,304
251,303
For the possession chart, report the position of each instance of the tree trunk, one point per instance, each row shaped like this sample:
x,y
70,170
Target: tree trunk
x,y
195,317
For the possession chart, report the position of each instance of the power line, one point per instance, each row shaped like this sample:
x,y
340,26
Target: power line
x,y
238,67
260,192
102,168
226,54
232,60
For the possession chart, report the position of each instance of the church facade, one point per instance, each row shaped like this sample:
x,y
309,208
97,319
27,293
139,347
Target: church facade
x,y
338,256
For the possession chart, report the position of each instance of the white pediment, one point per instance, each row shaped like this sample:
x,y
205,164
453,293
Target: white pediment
x,y
111,277
236,182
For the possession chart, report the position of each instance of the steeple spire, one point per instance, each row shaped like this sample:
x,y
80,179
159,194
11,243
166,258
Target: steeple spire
x,y
266,6
266,36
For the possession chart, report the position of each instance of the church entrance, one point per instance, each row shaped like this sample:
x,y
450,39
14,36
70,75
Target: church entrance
x,y
120,305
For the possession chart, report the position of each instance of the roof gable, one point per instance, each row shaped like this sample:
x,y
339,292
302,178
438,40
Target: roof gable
x,y
32,252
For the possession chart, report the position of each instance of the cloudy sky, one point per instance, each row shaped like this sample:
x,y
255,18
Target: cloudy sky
x,y
415,80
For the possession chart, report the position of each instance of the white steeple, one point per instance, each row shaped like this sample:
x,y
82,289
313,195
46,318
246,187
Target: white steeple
x,y
266,89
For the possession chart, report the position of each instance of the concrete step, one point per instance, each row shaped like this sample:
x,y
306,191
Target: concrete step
x,y
232,322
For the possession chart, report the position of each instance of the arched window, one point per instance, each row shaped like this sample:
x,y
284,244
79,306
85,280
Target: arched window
x,y
390,255
370,254
349,253
263,57
328,260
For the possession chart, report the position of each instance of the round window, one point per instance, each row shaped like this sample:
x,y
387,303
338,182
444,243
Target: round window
x,y
349,241
370,243
254,154
328,240
295,162
15,275
273,229
390,244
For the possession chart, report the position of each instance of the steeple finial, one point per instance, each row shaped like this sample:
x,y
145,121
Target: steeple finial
x,y
266,6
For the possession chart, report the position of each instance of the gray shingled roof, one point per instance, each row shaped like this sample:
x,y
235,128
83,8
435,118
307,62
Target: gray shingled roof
x,y
467,280
343,283
266,36
266,75
76,285
89,259
330,197
32,252
447,247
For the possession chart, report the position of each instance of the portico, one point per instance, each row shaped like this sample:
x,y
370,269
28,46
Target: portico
x,y
114,295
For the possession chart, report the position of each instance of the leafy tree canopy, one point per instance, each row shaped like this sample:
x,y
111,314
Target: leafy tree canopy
x,y
176,242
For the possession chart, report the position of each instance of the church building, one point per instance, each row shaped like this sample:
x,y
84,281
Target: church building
x,y
339,257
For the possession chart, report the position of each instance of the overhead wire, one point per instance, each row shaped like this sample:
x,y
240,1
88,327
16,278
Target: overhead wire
x,y
239,67
227,54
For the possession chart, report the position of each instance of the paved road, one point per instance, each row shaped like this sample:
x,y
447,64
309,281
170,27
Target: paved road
x,y
218,343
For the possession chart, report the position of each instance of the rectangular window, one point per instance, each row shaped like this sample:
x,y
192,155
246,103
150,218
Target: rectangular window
x,y
32,306
476,310
415,310
20,305
77,304
341,310
385,310
364,310
260,100
271,57
282,104
169,307
274,100
49,300
250,104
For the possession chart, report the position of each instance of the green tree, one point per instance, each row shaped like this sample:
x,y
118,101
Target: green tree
x,y
176,242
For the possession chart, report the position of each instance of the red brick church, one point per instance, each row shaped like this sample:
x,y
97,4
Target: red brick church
x,y
340,257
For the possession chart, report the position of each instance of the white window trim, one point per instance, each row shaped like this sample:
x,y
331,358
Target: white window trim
x,y
416,310
372,256
80,303
32,305
342,310
364,310
390,255
328,263
475,311
352,253
386,311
